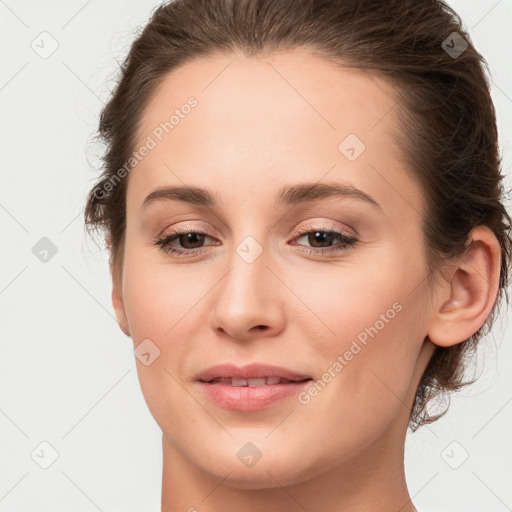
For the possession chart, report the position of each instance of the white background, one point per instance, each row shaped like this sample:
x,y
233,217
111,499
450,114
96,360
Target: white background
x,y
67,372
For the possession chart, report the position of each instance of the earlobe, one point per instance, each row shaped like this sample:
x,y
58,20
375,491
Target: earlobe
x,y
118,302
472,291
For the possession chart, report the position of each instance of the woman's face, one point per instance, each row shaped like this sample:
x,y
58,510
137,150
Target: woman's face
x,y
261,280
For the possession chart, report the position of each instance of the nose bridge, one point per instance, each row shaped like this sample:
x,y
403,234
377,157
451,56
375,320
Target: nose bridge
x,y
249,247
247,296
247,280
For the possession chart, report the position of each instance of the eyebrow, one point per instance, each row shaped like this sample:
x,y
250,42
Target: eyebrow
x,y
289,194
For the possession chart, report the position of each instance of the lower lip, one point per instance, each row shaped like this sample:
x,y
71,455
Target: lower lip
x,y
250,398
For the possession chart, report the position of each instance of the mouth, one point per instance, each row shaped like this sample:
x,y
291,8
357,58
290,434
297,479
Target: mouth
x,y
251,387
264,381
254,374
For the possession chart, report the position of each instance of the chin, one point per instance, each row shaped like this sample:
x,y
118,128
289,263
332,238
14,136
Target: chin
x,y
287,466
265,476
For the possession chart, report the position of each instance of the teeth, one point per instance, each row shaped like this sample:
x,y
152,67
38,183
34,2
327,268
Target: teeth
x,y
256,382
269,381
238,382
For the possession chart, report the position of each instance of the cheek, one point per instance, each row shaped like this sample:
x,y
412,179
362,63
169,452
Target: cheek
x,y
159,303
358,300
373,332
160,299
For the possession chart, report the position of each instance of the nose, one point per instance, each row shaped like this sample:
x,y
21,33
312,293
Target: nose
x,y
248,301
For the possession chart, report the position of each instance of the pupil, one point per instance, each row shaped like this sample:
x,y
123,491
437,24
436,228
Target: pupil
x,y
189,238
322,237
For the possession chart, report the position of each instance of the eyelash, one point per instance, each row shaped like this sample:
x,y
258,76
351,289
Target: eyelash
x,y
347,241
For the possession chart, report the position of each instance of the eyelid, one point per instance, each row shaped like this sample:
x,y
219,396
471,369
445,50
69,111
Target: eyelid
x,y
318,226
184,227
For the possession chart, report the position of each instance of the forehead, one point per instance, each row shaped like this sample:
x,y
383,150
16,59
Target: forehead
x,y
260,123
275,91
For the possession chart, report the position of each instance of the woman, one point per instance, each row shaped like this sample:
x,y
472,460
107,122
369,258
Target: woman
x,y
302,200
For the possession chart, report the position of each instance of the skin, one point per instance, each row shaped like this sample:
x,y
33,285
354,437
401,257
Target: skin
x,y
260,124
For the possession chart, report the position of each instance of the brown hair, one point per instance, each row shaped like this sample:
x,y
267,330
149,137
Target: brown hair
x,y
447,118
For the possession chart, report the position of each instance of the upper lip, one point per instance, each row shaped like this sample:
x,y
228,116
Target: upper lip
x,y
249,371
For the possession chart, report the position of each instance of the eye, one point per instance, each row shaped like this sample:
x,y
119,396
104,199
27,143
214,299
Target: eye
x,y
190,240
321,239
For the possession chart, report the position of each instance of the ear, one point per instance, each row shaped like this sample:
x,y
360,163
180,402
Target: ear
x,y
117,297
466,302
